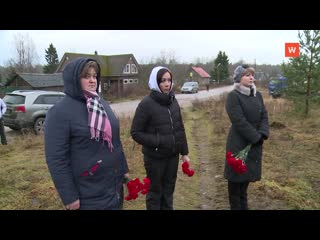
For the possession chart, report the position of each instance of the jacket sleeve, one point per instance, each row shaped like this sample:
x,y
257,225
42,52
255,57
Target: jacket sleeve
x,y
185,148
238,120
57,144
3,107
264,124
139,123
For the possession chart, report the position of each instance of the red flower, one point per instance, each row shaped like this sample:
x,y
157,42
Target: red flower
x,y
133,189
186,169
146,186
135,186
238,162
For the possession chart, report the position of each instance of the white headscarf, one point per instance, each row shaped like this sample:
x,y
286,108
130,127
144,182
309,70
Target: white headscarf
x,y
153,84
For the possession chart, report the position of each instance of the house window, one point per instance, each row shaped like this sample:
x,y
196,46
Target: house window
x,y
135,80
134,68
127,68
125,81
130,81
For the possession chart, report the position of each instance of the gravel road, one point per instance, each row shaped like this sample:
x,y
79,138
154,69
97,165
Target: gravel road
x,y
128,108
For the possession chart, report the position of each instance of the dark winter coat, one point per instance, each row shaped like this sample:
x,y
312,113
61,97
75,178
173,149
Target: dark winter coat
x,y
70,151
249,120
158,126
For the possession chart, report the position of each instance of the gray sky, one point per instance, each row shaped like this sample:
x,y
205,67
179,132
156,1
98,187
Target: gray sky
x,y
262,46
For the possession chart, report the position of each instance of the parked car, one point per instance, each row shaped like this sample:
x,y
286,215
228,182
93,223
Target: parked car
x,y
190,87
28,108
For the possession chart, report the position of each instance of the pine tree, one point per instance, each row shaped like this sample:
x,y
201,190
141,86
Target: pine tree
x,y
220,70
52,60
303,72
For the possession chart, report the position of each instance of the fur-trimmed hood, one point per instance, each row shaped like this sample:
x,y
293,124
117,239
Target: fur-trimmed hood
x,y
245,90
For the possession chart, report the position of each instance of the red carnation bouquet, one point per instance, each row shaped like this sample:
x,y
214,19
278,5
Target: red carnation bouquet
x,y
135,186
186,169
238,162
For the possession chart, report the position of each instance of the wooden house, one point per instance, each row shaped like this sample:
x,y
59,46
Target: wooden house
x,y
39,81
118,72
199,75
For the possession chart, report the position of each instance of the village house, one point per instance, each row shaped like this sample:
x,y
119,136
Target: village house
x,y
199,75
39,81
119,73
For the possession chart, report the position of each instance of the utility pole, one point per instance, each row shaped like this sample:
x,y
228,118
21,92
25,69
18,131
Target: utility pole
x,y
218,72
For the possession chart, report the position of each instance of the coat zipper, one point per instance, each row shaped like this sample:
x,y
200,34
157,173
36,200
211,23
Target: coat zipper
x,y
174,140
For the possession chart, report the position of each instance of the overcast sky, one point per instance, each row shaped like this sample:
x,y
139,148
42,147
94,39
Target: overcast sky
x,y
260,46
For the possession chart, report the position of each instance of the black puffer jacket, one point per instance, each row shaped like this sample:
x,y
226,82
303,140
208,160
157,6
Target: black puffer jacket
x,y
158,126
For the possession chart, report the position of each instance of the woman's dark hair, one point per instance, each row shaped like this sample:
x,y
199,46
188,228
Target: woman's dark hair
x,y
160,74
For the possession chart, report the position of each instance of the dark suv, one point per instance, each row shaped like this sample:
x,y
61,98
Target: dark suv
x,y
28,108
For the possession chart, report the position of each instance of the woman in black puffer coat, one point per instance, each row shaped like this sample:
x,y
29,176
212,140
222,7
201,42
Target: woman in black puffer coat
x,y
249,118
158,127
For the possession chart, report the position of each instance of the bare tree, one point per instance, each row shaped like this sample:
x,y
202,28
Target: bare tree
x,y
166,57
26,53
162,59
172,57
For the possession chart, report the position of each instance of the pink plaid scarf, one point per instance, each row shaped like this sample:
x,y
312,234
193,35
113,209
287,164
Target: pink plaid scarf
x,y
98,120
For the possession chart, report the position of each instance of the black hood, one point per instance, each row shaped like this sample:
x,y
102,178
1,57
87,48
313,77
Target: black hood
x,y
71,77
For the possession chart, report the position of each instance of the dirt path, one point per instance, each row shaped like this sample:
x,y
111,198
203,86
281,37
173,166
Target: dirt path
x,y
212,184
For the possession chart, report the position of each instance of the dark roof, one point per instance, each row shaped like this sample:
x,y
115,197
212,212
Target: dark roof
x,y
42,80
67,57
111,65
116,63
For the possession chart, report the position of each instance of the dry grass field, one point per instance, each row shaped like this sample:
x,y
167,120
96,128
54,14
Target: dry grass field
x,y
290,176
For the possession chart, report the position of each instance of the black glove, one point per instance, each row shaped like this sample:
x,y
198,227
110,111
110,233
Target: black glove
x,y
264,137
